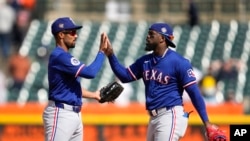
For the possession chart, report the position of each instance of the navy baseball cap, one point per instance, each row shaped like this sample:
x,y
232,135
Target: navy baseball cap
x,y
63,23
164,29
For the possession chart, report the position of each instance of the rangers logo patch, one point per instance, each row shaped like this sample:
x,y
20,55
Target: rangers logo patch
x,y
191,73
74,61
61,25
163,30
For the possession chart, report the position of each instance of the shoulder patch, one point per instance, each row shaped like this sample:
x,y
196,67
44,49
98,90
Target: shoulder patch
x,y
74,61
190,73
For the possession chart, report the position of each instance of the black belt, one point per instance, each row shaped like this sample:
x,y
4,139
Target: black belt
x,y
76,109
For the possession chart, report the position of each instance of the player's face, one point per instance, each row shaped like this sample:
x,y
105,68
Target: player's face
x,y
70,38
152,40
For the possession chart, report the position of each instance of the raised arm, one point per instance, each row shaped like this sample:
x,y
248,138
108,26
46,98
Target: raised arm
x,y
120,71
91,70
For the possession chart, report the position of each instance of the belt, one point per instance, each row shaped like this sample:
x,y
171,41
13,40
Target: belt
x,y
156,112
76,109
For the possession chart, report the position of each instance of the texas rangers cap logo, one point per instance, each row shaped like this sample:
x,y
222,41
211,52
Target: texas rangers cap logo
x,y
61,25
163,30
74,61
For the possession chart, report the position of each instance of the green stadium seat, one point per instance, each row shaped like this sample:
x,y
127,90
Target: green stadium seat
x,y
181,46
239,41
219,43
129,48
200,46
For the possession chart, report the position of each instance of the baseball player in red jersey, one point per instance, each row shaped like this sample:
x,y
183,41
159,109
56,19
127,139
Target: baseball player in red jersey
x,y
62,117
166,74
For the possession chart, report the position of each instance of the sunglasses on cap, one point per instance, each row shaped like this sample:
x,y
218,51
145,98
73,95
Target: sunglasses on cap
x,y
70,32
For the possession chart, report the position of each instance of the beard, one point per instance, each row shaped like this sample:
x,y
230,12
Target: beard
x,y
70,45
149,47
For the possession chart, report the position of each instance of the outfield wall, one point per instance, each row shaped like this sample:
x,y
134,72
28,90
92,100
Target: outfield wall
x,y
108,122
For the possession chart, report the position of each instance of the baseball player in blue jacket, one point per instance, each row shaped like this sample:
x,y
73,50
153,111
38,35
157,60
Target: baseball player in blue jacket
x,y
62,117
166,74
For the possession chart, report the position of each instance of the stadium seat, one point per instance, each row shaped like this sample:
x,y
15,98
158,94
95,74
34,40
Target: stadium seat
x,y
128,40
200,46
239,41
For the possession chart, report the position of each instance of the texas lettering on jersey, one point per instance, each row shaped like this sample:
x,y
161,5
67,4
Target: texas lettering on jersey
x,y
156,76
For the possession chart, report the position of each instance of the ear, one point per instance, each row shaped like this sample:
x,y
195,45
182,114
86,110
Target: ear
x,y
60,35
162,38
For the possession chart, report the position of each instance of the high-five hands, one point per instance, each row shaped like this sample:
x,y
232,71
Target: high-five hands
x,y
105,45
103,42
109,50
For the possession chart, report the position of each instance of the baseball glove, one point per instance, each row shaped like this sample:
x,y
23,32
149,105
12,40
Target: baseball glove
x,y
110,92
213,133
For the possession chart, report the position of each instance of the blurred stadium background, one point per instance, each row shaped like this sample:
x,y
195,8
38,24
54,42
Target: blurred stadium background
x,y
222,33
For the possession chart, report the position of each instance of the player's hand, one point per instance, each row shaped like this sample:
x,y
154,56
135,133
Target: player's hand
x,y
208,124
97,95
109,50
103,42
92,95
213,133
